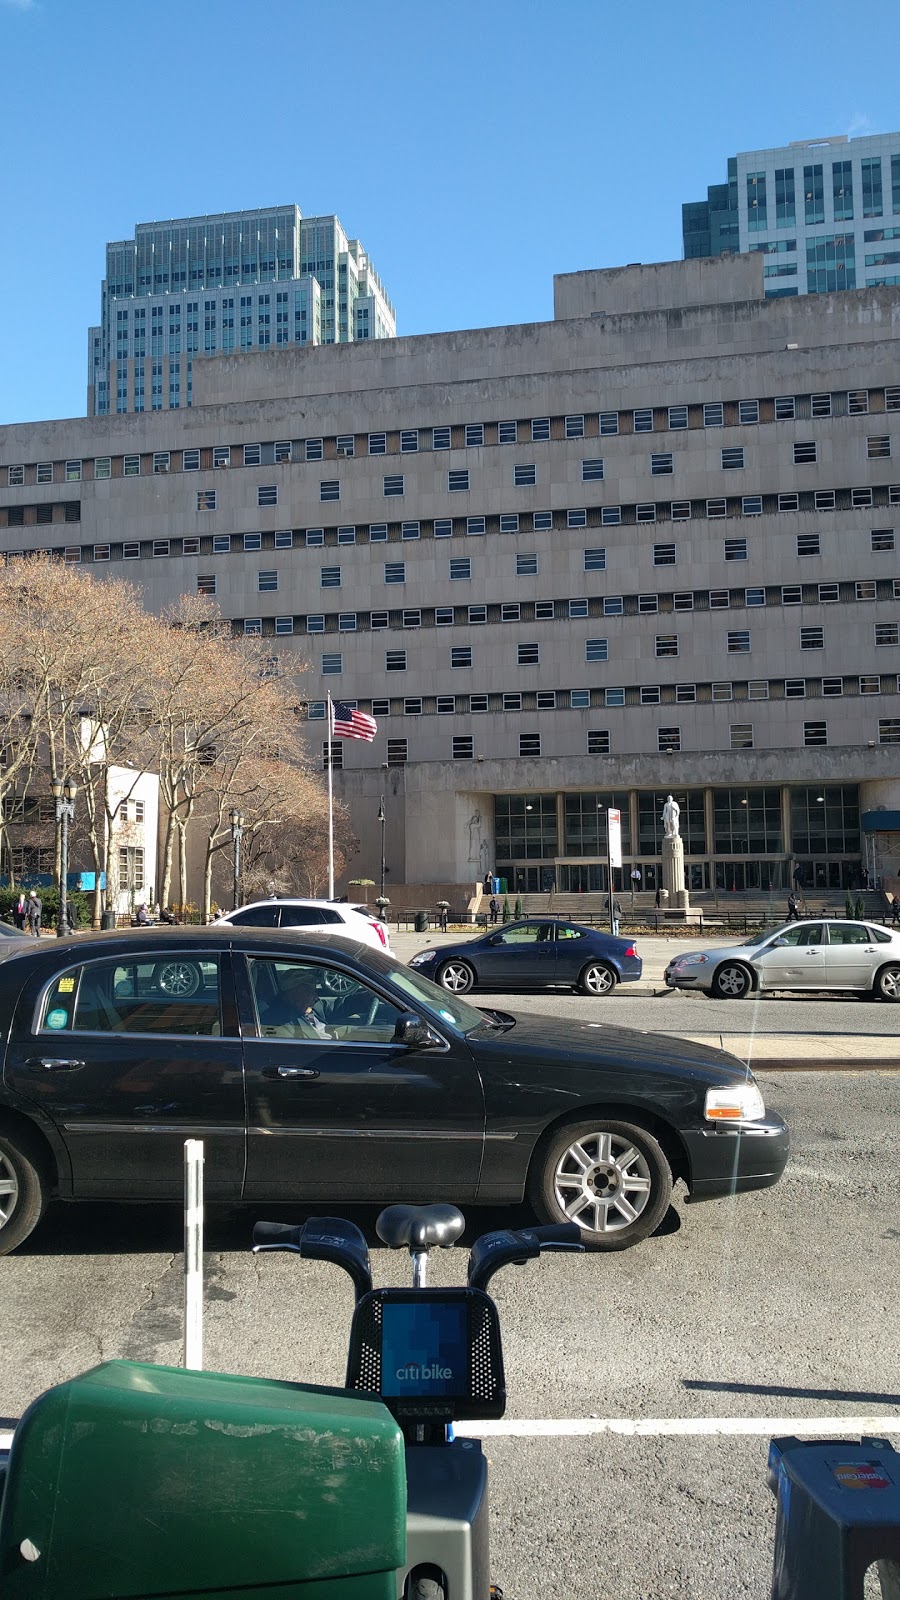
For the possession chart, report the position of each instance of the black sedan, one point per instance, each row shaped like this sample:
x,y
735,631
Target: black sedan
x,y
320,1070
534,954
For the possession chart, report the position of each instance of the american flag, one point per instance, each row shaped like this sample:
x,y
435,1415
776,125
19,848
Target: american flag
x,y
348,723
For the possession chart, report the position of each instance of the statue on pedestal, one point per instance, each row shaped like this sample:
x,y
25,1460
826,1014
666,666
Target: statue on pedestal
x,y
670,814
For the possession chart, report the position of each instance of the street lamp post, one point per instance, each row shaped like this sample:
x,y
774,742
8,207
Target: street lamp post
x,y
237,829
381,819
64,794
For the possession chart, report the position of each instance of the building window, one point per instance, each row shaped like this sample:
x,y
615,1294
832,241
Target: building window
x,y
789,502
457,481
540,428
346,535
395,661
524,477
661,465
592,471
377,533
650,694
866,589
475,525
716,508
829,594
882,539
330,577
377,444
576,518
832,686
284,624
878,447
595,560
443,528
507,433
266,582
461,655
221,455
738,642
645,512
526,565
578,608
528,655
190,547
412,617
871,187
253,625
445,705
160,547
643,420
397,752
131,551
735,549
860,498
580,699
267,494
330,489
440,440
614,697
575,427
443,617
664,555
45,471
190,461
741,736
474,434
332,754
409,441
815,733
206,583
795,688
598,742
393,485
791,594
477,614
609,422
889,730
808,544
824,500
529,744
812,638
804,452
678,417
206,500
683,600
460,568
73,472
284,449
714,415
667,644
648,604
732,459
887,633
596,649
395,572
668,740
316,623
545,700
463,746
510,611
544,611
512,702
613,605
748,411
681,511
509,522
610,516
221,544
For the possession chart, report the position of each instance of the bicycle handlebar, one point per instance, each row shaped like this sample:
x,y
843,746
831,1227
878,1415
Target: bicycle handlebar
x,y
321,1239
513,1248
276,1236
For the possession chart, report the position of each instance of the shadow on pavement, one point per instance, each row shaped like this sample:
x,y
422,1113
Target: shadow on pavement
x,y
792,1390
91,1228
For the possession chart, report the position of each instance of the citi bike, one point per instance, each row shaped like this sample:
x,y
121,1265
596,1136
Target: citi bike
x,y
433,1357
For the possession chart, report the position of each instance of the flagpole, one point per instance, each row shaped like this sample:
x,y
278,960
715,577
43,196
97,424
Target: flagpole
x,y
330,803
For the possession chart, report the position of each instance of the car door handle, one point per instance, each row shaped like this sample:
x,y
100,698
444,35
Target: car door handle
x,y
55,1064
290,1072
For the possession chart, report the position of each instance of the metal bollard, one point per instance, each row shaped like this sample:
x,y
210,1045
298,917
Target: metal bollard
x,y
838,1514
193,1254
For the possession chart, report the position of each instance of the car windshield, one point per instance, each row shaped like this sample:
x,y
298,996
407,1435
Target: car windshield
x,y
453,1010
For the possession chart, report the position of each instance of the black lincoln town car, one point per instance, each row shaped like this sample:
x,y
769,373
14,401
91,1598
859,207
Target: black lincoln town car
x,y
321,1070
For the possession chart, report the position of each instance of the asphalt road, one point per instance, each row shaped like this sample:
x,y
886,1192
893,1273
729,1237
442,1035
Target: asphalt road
x,y
777,1305
678,1012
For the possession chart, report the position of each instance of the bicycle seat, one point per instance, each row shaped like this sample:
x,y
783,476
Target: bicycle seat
x,y
420,1227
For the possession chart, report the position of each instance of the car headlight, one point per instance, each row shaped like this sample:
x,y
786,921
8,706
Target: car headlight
x,y
739,1103
422,959
679,962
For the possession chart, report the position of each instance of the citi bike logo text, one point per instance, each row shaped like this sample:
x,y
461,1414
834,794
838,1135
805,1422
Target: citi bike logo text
x,y
414,1372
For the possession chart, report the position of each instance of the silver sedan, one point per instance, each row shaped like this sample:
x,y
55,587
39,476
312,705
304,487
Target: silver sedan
x,y
823,954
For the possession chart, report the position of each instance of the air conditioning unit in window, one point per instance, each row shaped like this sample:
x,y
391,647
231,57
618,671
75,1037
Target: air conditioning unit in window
x,y
157,470
345,450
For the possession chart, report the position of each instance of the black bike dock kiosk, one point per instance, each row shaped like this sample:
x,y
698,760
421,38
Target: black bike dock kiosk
x,y
838,1515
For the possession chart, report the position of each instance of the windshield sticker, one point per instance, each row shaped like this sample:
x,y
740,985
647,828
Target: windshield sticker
x,y
66,985
57,1019
447,1015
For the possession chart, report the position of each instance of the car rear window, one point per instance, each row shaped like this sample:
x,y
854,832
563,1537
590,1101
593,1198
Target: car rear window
x,y
308,916
173,994
256,917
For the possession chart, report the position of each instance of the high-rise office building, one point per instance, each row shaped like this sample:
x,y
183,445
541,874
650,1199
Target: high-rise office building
x,y
240,280
825,213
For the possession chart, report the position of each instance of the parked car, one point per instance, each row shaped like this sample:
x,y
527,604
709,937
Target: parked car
x,y
317,1071
8,931
533,954
819,953
323,916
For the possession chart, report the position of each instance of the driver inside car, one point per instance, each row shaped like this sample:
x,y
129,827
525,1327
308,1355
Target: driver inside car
x,y
295,1007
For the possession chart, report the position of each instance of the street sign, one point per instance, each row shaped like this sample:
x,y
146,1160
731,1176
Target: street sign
x,y
614,827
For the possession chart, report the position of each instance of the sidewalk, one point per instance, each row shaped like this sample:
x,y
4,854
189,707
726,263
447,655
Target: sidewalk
x,y
790,1050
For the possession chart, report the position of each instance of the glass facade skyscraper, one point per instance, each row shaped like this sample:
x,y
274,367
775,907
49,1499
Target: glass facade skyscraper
x,y
825,213
240,280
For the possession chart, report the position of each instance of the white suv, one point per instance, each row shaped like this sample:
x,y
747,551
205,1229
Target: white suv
x,y
322,916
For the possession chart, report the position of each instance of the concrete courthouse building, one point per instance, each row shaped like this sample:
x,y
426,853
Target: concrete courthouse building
x,y
649,546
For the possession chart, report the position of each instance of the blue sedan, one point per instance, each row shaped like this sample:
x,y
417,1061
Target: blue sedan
x,y
536,954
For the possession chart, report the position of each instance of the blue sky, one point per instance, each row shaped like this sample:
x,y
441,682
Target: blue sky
x,y
475,149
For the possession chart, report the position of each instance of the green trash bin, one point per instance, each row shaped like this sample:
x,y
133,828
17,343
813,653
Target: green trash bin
x,y
421,922
137,1480
107,919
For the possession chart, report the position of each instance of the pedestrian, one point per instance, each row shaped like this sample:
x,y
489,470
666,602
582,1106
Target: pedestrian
x,y
444,918
615,912
896,910
143,917
488,883
495,909
33,912
658,898
793,908
20,911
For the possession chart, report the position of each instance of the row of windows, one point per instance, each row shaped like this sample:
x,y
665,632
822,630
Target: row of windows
x,y
668,741
584,699
646,512
738,641
524,475
649,419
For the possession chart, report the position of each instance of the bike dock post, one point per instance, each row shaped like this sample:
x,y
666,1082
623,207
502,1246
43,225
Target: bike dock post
x,y
193,1254
838,1515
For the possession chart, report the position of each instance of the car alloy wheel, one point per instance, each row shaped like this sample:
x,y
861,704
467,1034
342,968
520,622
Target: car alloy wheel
x,y
180,979
731,982
597,978
611,1178
23,1188
457,976
887,983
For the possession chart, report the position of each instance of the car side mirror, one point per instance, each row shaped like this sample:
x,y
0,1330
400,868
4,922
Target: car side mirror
x,y
778,944
495,938
415,1034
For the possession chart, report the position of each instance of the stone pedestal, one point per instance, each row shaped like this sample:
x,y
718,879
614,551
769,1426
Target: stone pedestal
x,y
673,872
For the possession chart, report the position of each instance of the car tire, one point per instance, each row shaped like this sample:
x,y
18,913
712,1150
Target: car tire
x,y
179,979
731,981
585,1172
887,983
598,978
455,976
24,1189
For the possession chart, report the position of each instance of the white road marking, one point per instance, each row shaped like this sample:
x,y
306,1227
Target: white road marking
x,y
684,1427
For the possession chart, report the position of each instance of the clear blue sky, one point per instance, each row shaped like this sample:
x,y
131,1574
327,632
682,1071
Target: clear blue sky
x,y
474,148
